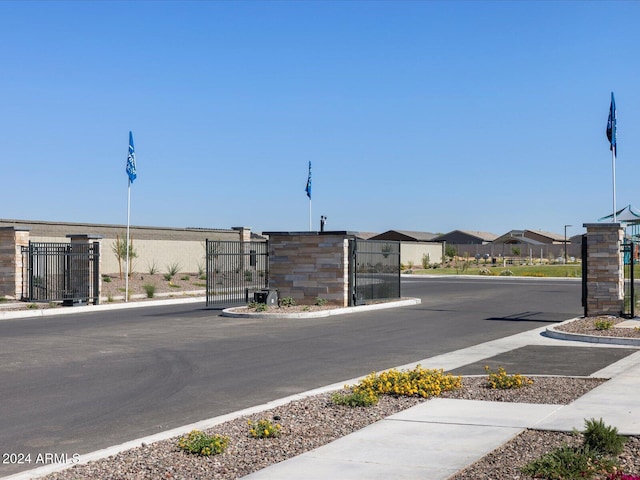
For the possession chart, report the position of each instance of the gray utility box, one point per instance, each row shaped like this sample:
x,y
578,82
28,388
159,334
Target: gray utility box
x,y
270,297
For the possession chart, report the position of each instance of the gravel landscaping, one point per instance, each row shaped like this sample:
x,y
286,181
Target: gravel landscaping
x,y
315,421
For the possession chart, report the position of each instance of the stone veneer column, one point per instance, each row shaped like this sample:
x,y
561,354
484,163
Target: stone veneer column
x,y
308,265
12,239
605,269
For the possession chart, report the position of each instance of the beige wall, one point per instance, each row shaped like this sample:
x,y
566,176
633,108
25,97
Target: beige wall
x,y
413,251
161,246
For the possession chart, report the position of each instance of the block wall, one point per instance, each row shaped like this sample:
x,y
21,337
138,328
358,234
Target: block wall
x,y
11,241
305,266
605,269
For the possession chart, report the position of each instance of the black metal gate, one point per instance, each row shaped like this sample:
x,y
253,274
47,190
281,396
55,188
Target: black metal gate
x,y
628,255
66,272
374,270
235,270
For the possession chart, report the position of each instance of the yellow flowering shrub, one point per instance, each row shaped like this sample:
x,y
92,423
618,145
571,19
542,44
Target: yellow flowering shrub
x,y
264,429
417,382
202,444
501,379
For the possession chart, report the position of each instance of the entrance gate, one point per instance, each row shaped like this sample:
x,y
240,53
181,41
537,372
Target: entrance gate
x,y
235,270
374,270
66,272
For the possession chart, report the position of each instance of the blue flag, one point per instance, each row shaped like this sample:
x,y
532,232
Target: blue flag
x,y
611,125
131,160
308,189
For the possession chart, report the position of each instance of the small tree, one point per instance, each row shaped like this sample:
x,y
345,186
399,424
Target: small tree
x,y
119,249
425,260
450,251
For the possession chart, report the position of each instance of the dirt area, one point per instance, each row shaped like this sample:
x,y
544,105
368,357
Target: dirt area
x,y
113,287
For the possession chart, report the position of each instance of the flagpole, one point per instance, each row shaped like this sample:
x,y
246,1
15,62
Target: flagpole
x,y
309,214
613,168
126,278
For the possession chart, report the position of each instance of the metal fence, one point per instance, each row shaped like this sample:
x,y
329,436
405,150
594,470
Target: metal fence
x,y
374,270
66,272
628,253
235,270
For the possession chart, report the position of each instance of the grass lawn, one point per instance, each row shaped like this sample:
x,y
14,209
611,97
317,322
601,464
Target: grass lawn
x,y
571,270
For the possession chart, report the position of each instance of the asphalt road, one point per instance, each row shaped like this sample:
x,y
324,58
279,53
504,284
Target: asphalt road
x,y
80,382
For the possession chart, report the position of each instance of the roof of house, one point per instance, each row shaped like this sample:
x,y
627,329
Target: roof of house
x,y
406,235
484,236
556,237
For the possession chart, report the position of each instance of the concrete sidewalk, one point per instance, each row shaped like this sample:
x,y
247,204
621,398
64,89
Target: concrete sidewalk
x,y
438,438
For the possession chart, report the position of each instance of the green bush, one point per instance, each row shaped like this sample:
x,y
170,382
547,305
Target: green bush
x,y
354,399
569,463
603,438
150,290
287,302
264,429
603,324
321,302
600,445
202,444
172,270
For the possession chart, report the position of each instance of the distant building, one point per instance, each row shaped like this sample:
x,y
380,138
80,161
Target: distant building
x,y
531,237
405,236
466,237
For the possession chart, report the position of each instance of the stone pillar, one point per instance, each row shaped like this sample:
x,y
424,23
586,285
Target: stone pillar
x,y
12,239
605,269
81,282
308,265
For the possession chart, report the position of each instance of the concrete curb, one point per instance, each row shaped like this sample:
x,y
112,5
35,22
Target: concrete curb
x,y
46,312
323,313
552,332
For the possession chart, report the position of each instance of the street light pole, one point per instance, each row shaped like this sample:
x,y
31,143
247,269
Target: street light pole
x,y
565,243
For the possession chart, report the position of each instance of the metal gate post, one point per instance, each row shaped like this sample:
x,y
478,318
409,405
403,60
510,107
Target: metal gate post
x,y
632,300
584,273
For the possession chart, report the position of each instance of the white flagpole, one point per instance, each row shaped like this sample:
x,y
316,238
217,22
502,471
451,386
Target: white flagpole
x,y
309,214
613,167
126,278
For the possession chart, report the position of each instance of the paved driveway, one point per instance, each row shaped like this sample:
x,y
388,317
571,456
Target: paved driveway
x,y
77,383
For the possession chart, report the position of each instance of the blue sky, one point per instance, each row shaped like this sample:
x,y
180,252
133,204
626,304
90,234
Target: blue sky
x,y
421,115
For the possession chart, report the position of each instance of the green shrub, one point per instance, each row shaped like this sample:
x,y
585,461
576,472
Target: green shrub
x,y
150,290
3,299
172,270
106,279
354,399
569,463
603,324
321,302
264,429
596,456
506,273
287,302
152,268
185,278
603,438
202,444
258,307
